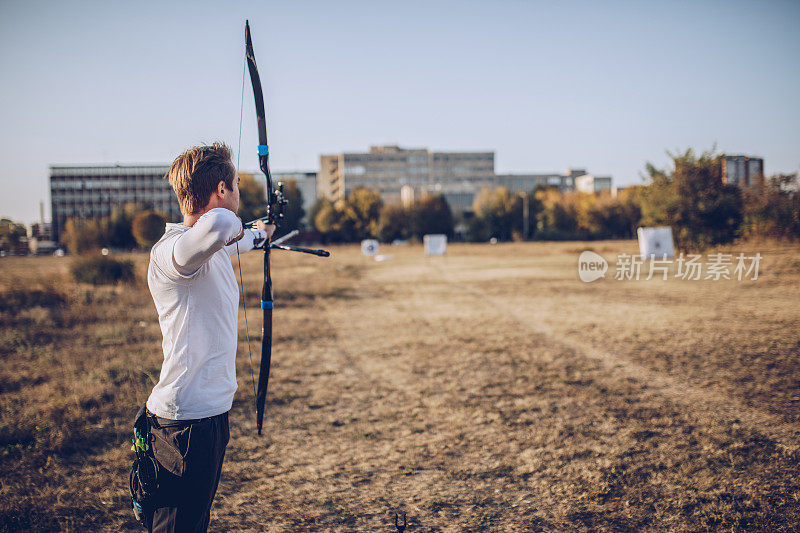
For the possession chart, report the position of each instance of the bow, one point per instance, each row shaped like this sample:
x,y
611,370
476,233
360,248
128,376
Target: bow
x,y
275,204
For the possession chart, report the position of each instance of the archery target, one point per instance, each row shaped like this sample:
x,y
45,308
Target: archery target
x,y
435,244
369,247
656,241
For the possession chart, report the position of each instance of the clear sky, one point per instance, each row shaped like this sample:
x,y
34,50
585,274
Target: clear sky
x,y
602,85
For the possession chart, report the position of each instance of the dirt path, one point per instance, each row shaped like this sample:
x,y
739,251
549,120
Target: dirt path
x,y
716,406
411,386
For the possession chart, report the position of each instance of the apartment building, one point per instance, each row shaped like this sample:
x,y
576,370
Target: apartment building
x,y
402,174
589,183
460,194
93,191
742,170
387,169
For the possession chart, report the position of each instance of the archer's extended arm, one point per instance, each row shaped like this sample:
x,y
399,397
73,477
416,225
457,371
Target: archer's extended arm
x,y
205,238
252,239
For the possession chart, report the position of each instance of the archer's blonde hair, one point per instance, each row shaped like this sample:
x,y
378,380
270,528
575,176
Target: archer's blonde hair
x,y
196,173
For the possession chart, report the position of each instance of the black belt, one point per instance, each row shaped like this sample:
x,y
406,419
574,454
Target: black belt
x,y
168,422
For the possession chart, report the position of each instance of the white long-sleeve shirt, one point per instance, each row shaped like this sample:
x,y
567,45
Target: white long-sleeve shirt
x,y
196,296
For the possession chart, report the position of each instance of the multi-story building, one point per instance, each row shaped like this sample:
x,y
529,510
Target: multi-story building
x,y
589,183
460,195
40,235
41,230
401,174
94,191
742,170
565,181
387,169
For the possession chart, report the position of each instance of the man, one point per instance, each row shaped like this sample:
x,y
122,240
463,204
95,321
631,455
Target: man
x,y
196,296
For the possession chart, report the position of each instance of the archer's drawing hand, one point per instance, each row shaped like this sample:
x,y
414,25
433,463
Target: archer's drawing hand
x,y
269,228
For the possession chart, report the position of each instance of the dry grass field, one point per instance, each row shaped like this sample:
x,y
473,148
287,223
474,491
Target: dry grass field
x,y
488,390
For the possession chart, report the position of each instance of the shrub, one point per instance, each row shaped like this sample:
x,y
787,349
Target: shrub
x,y
18,298
148,227
82,236
101,270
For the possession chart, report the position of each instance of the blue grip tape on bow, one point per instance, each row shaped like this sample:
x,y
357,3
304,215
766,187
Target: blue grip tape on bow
x,y
266,304
263,149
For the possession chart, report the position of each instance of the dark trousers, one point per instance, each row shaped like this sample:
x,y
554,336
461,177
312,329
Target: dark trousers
x,y
190,455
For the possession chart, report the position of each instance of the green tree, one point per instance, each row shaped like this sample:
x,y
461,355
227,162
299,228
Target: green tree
x,y
630,200
82,235
328,220
477,228
431,215
692,199
608,217
252,198
148,227
315,208
393,223
361,211
12,235
294,212
773,208
500,212
116,229
556,216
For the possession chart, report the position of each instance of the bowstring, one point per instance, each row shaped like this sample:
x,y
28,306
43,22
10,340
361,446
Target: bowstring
x,y
238,259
